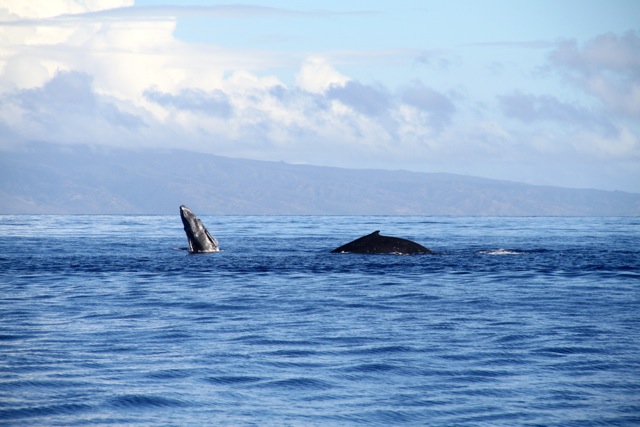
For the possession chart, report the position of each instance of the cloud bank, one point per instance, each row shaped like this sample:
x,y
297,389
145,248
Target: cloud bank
x,y
107,72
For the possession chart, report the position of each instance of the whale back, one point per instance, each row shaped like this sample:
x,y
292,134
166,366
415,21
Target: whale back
x,y
375,243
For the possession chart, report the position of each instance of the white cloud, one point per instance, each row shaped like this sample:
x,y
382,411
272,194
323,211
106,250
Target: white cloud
x,y
125,55
67,110
534,109
103,72
316,75
115,53
38,9
605,67
622,145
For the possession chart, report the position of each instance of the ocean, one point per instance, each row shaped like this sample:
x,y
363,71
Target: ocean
x,y
107,321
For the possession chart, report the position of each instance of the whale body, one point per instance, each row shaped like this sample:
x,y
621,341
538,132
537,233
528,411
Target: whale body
x,y
375,243
199,238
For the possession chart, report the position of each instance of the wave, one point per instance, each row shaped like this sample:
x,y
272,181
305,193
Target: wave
x,y
145,401
502,252
43,411
501,327
299,383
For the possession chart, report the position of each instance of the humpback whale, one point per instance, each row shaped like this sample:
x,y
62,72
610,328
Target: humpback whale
x,y
199,238
374,243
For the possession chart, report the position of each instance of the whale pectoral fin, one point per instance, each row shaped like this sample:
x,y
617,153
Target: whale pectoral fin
x,y
212,239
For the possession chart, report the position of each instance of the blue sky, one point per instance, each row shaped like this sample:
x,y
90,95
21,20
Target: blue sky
x,y
544,92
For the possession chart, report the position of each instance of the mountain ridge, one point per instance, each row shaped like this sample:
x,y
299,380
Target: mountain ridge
x,y
50,179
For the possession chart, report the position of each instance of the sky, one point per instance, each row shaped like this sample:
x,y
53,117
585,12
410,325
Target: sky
x,y
544,92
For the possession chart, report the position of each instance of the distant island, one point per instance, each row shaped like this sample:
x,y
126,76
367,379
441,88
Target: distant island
x,y
74,179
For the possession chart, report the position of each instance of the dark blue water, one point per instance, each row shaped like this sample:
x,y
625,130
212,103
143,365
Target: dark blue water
x,y
515,321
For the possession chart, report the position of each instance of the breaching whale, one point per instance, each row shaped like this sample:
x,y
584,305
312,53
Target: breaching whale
x,y
199,238
374,243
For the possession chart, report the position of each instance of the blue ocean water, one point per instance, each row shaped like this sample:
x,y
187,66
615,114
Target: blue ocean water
x,y
514,321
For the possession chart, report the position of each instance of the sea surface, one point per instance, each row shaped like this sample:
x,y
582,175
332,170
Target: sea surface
x,y
106,321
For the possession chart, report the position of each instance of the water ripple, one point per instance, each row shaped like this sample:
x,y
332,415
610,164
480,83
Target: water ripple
x,y
103,323
141,401
43,411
